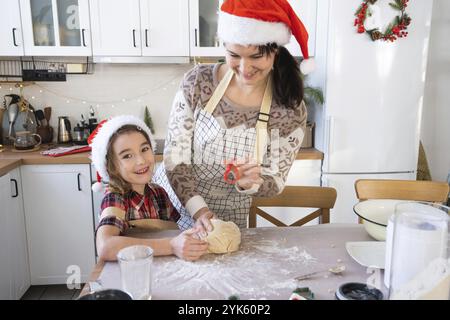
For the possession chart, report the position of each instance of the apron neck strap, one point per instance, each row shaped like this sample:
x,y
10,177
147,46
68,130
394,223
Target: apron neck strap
x,y
219,92
261,123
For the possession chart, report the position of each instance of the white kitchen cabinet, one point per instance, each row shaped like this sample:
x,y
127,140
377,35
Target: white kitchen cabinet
x,y
14,269
165,25
115,27
59,220
56,27
6,286
203,17
302,173
11,43
140,28
18,237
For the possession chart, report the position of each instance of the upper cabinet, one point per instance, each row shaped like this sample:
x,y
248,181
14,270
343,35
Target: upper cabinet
x,y
165,27
203,28
11,43
109,29
204,20
140,28
56,27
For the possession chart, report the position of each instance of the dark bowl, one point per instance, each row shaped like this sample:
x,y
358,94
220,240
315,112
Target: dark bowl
x,y
108,294
358,291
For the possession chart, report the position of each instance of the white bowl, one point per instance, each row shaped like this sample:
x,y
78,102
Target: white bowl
x,y
375,215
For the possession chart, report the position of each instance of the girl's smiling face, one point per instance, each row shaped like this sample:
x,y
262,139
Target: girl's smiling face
x,y
134,159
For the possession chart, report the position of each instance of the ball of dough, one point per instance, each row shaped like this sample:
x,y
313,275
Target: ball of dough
x,y
225,237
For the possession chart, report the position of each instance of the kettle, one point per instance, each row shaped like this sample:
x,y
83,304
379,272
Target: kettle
x,y
25,140
64,128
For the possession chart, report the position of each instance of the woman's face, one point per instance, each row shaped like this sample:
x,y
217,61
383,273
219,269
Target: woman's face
x,y
250,66
134,159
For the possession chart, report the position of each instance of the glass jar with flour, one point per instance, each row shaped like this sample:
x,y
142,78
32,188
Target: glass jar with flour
x,y
419,266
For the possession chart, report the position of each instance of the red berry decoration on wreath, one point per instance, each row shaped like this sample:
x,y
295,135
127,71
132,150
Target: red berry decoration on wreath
x,y
396,29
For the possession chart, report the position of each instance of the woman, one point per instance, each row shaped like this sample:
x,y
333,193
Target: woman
x,y
246,115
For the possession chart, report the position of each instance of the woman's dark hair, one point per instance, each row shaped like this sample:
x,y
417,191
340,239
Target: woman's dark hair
x,y
287,80
116,183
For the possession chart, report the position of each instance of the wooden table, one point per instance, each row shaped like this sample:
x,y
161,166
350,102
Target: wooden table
x,y
264,268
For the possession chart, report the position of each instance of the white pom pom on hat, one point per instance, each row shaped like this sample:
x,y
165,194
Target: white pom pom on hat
x,y
99,139
98,186
256,22
308,66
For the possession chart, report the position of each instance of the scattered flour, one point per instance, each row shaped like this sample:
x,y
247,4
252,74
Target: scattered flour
x,y
249,273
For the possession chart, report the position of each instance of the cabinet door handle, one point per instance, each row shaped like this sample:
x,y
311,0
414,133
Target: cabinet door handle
x,y
17,189
195,36
146,38
82,35
134,38
78,179
14,37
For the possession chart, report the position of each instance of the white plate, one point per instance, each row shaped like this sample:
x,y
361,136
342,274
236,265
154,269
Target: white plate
x,y
368,253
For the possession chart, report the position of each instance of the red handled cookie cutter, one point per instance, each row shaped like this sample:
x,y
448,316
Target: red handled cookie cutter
x,y
231,174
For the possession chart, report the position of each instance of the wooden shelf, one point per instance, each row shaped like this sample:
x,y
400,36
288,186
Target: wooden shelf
x,y
309,154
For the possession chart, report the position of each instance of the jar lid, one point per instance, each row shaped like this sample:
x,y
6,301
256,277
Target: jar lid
x,y
358,291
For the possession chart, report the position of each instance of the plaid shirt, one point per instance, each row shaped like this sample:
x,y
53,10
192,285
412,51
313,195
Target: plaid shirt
x,y
154,204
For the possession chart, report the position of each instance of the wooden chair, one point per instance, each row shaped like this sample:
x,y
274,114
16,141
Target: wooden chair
x,y
430,191
402,190
302,197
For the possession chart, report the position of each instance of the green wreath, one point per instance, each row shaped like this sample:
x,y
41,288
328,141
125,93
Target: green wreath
x,y
396,29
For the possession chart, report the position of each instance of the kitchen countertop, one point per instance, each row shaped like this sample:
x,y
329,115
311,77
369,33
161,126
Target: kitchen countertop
x,y
10,160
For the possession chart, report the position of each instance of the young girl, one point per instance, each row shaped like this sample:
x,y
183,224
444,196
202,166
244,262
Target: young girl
x,y
122,154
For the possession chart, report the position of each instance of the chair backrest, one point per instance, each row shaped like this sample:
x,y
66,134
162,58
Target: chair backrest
x,y
322,198
430,191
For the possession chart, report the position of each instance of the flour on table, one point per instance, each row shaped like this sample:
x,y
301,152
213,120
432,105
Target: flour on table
x,y
249,273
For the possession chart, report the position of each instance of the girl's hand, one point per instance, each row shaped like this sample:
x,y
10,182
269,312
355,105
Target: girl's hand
x,y
203,222
187,247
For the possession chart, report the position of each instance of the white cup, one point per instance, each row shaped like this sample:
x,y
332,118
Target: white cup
x,y
419,268
136,271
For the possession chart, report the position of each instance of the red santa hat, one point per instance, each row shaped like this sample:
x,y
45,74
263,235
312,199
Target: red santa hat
x,y
259,22
99,139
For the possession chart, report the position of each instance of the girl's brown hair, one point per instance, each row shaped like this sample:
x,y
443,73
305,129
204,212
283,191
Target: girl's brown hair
x,y
116,183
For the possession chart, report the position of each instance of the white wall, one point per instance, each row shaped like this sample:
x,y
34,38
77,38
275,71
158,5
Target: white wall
x,y
436,109
141,85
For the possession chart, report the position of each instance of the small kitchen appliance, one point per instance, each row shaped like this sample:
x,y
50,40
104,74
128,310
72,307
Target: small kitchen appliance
x,y
64,128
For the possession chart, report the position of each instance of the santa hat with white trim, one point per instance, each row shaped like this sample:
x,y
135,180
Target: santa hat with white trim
x,y
259,22
99,139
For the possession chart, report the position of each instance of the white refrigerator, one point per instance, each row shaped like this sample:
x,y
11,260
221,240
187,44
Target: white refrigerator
x,y
373,99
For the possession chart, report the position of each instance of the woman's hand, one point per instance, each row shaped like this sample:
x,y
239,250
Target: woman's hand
x,y
187,247
203,222
249,175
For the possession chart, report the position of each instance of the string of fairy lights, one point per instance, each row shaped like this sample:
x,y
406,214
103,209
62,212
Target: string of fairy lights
x,y
41,88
